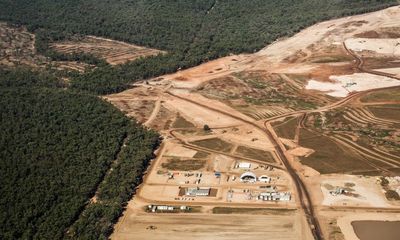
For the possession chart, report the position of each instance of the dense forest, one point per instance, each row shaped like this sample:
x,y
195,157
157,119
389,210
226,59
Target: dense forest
x,y
56,146
191,31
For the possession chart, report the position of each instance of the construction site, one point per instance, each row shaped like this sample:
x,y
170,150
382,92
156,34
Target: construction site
x,y
297,141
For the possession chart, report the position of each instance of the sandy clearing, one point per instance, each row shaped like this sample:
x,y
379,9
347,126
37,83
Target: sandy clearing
x,y
370,192
193,77
199,115
343,85
271,58
248,136
331,31
301,151
215,227
210,102
114,52
331,89
179,151
347,229
382,46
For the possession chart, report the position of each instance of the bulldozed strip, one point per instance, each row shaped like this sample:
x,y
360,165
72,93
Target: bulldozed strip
x,y
114,52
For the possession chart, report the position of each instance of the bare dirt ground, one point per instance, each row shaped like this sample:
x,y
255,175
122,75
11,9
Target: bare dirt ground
x,y
242,116
17,47
114,52
209,226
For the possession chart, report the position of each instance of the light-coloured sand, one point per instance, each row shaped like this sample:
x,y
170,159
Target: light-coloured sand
x,y
345,84
199,115
179,151
369,191
301,151
211,227
332,89
382,46
332,32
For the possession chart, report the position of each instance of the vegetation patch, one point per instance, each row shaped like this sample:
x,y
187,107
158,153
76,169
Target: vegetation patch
x,y
329,156
201,155
386,111
56,148
256,211
193,132
392,195
216,144
176,164
382,96
287,128
55,155
331,59
254,153
181,122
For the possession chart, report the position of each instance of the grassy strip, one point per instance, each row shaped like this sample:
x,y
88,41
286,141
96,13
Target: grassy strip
x,y
257,211
216,144
176,164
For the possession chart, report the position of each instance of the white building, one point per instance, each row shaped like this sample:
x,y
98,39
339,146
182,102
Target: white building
x,y
275,196
244,165
198,192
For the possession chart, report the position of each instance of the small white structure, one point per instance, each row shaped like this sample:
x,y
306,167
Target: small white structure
x,y
184,208
275,196
337,191
197,192
244,165
162,208
264,179
248,177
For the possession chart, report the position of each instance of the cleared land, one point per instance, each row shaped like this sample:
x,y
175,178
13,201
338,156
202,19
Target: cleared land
x,y
383,96
114,52
329,156
286,128
17,47
183,165
256,211
214,144
386,111
253,153
179,226
181,122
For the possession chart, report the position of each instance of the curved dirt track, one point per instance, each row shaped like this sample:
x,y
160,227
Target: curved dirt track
x,y
360,65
